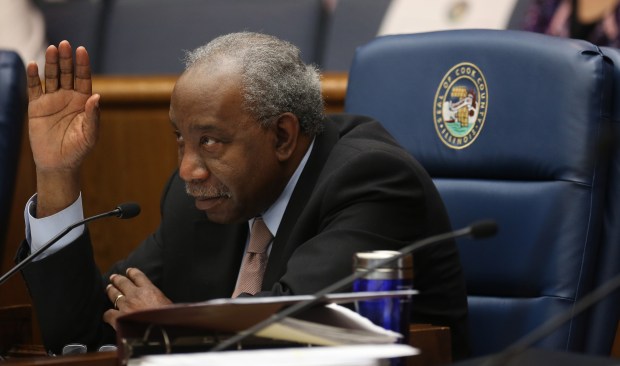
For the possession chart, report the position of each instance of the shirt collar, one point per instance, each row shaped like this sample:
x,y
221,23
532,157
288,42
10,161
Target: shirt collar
x,y
273,216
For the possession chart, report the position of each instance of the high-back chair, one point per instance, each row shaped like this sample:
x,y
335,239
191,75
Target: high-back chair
x,y
353,23
81,22
511,126
150,36
12,115
606,314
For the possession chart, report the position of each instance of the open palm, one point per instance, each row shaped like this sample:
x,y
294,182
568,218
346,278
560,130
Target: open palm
x,y
63,120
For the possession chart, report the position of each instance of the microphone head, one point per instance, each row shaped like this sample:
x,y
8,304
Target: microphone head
x,y
483,229
128,210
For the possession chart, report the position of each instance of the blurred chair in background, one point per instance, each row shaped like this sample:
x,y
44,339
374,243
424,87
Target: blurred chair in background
x,y
511,126
81,22
353,23
150,36
12,116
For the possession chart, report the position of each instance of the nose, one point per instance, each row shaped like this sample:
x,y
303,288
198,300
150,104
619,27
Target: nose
x,y
192,167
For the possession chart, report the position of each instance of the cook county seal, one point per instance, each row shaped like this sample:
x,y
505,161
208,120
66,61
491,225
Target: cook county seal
x,y
461,105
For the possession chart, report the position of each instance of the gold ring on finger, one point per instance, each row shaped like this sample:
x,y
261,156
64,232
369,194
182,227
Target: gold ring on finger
x,y
116,300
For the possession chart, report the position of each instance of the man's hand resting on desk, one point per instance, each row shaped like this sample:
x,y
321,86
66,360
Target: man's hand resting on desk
x,y
131,293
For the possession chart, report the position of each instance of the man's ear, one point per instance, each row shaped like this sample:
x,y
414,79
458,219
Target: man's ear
x,y
287,135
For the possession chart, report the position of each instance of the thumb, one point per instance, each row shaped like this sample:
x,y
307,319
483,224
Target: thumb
x,y
91,127
92,107
110,317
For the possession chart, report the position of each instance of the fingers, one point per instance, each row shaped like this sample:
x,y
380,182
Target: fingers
x,y
138,277
51,69
134,292
33,80
65,58
59,69
83,81
126,284
121,285
115,296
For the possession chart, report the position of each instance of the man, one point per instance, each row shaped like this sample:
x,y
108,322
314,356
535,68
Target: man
x,y
253,146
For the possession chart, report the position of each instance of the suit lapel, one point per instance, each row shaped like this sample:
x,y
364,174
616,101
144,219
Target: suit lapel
x,y
203,259
217,253
323,145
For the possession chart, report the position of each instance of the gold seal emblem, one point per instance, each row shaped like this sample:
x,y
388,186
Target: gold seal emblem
x,y
461,105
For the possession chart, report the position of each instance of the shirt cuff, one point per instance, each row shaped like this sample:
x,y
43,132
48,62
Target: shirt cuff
x,y
40,231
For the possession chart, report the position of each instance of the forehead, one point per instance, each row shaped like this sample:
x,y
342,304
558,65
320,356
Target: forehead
x,y
203,92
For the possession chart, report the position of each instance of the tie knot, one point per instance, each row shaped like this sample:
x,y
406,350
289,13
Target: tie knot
x,y
260,236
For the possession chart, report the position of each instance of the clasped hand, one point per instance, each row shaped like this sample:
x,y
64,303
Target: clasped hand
x,y
130,293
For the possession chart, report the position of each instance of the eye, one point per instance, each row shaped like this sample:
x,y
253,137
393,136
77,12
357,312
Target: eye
x,y
178,136
208,141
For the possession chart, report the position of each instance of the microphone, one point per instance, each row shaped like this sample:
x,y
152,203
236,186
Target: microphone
x,y
478,230
127,210
124,211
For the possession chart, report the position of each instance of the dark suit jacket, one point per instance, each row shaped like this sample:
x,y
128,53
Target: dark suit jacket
x,y
359,191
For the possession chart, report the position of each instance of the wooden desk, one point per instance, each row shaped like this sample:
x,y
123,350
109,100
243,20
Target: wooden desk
x,y
17,347
433,341
15,326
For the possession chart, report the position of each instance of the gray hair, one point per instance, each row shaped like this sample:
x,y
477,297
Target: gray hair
x,y
275,80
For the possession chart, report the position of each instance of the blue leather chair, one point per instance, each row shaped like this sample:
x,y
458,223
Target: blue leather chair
x,y
511,126
607,313
12,114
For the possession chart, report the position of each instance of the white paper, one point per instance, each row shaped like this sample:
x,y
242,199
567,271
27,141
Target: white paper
x,y
361,355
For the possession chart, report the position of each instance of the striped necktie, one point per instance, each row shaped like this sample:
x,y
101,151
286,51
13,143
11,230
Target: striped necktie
x,y
255,259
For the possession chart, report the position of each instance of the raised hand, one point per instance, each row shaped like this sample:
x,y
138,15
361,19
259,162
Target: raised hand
x,y
62,124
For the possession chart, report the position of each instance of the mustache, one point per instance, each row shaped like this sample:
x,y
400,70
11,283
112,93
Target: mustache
x,y
202,190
